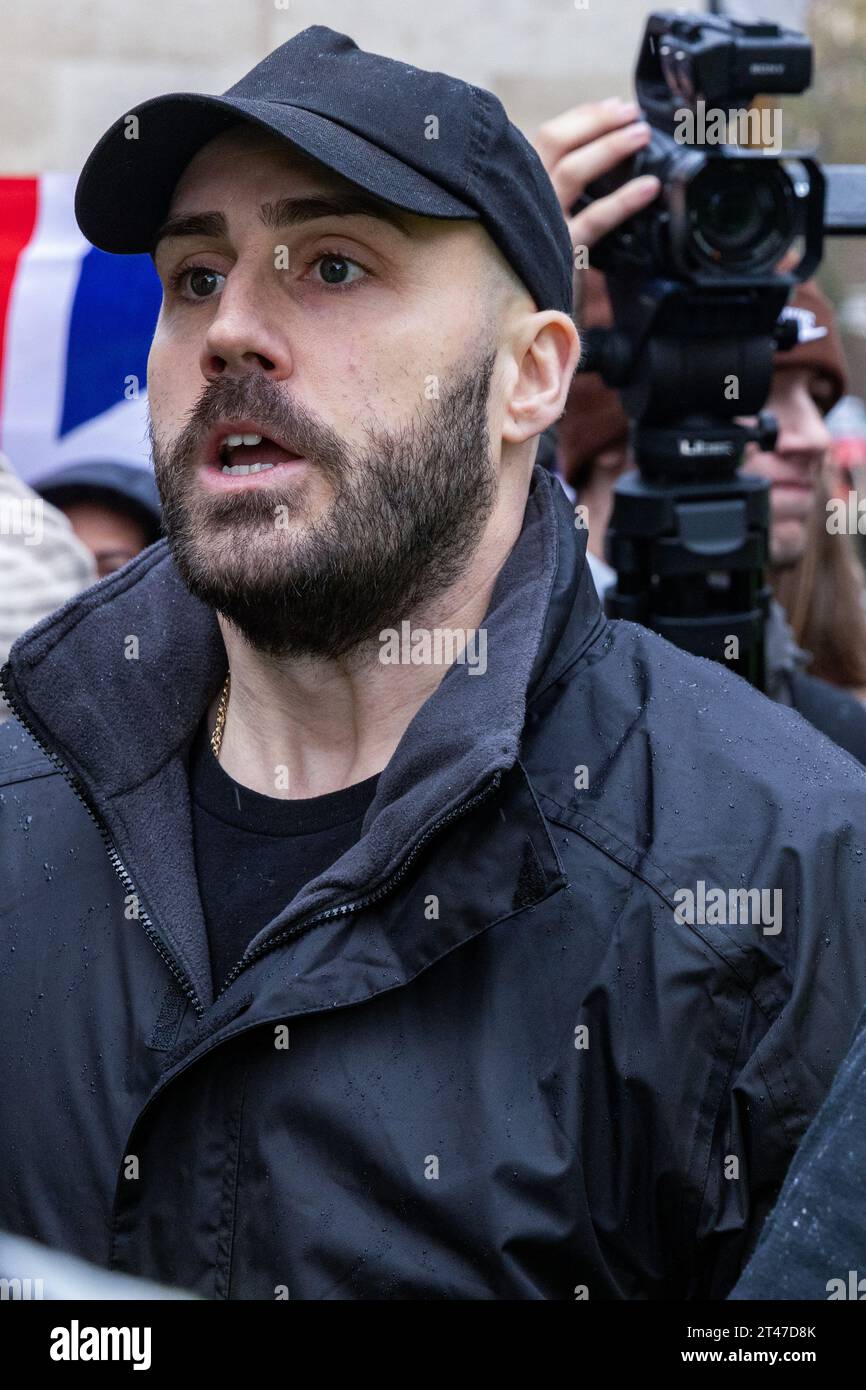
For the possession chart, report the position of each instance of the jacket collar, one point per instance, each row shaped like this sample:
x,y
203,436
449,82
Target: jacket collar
x,y
116,683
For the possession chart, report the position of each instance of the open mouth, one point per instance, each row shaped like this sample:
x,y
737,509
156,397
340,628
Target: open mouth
x,y
244,457
242,454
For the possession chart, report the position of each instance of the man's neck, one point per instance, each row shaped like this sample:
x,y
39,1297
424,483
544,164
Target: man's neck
x,y
303,727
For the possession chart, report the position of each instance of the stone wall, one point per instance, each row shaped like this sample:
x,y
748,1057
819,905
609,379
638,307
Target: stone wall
x,y
68,69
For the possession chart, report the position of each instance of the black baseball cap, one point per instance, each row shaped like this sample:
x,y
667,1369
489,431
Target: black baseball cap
x,y
424,141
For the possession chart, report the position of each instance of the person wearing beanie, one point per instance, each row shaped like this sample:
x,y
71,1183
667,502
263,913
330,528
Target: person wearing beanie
x,y
43,563
113,508
807,381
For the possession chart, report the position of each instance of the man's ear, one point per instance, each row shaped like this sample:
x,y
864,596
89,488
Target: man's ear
x,y
544,357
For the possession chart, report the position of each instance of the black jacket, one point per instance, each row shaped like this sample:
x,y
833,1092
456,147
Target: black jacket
x,y
814,1243
837,713
508,1072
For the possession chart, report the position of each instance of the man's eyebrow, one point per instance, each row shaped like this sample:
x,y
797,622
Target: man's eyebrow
x,y
287,212
210,224
290,212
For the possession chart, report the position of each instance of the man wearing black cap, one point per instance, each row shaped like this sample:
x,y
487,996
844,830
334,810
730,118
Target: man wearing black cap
x,y
346,848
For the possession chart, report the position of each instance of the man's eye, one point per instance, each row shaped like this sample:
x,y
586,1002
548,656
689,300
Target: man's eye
x,y
338,270
198,282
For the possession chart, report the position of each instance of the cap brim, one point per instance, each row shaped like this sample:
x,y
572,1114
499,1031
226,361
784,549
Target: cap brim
x,y
125,188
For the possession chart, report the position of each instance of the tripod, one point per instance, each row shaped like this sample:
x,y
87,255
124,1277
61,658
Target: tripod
x,y
690,548
688,536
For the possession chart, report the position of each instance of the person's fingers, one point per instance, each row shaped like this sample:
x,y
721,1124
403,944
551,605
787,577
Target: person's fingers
x,y
580,124
602,216
571,174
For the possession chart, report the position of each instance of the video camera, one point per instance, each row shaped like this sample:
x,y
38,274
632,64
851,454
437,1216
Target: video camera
x,y
698,282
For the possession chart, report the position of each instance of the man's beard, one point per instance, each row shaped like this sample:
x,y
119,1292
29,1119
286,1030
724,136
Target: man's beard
x,y
408,510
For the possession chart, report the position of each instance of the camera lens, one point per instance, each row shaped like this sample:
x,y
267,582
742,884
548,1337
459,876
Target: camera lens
x,y
740,215
730,219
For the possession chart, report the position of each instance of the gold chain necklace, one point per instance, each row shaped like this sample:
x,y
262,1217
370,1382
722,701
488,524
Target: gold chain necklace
x,y
216,737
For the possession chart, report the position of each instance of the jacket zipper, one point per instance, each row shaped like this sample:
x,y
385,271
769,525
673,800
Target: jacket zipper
x,y
245,960
381,892
186,985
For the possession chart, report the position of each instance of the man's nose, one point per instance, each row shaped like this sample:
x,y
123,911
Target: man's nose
x,y
244,336
803,433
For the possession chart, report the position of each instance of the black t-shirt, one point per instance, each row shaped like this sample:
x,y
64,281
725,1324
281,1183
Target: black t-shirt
x,y
253,853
